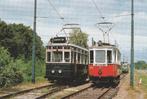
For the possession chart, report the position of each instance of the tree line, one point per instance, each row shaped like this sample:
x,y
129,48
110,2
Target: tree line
x,y
141,65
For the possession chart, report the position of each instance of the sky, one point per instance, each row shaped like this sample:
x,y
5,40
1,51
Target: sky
x,y
85,13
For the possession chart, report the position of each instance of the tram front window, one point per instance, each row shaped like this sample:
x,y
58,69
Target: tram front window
x,y
100,56
66,56
109,56
57,56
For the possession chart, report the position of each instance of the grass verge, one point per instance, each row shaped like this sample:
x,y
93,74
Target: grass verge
x,y
142,75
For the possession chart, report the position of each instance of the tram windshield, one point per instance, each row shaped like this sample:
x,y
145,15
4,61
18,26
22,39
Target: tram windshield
x,y
57,56
100,56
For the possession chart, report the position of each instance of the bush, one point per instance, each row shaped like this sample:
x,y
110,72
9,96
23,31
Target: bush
x,y
26,68
9,75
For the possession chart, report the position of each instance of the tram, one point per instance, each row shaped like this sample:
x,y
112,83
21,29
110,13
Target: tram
x,y
104,63
65,61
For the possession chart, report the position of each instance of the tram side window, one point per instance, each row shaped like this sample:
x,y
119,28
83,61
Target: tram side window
x,y
66,56
83,59
57,56
79,58
75,57
48,56
114,56
91,56
109,56
86,59
118,59
72,57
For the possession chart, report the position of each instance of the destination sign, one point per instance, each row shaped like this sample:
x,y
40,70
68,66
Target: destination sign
x,y
58,40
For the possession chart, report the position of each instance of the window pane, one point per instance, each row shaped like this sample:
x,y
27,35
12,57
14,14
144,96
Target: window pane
x,y
66,57
91,56
48,56
100,56
57,56
109,56
79,58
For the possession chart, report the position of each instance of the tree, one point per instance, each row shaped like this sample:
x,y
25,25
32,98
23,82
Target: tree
x,y
79,38
17,38
140,65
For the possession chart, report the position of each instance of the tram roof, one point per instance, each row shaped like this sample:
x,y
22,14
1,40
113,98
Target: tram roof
x,y
104,47
66,44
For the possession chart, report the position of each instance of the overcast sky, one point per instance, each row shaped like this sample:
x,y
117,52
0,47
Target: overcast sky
x,y
84,13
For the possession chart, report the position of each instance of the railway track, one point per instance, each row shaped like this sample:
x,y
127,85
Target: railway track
x,y
40,93
24,91
50,92
35,93
94,92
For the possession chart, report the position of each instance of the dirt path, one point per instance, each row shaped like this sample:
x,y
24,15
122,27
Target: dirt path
x,y
125,92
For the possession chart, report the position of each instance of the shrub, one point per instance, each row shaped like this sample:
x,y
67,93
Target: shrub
x,y
9,75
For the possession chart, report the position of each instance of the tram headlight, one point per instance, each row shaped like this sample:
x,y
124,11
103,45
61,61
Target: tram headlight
x,y
60,71
53,71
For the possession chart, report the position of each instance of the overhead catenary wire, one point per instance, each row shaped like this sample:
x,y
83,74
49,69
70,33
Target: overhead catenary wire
x,y
98,10
103,19
60,16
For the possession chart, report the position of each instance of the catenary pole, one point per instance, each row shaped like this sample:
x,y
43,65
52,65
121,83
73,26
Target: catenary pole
x,y
132,45
34,42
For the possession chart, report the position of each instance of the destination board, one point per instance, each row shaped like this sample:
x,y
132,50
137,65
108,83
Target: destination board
x,y
58,40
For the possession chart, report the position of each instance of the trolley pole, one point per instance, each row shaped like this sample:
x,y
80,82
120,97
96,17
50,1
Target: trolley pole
x,y
132,45
34,42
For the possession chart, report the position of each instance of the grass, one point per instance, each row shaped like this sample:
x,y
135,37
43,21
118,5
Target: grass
x,y
142,75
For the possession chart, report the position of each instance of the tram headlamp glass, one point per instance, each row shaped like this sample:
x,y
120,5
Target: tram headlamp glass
x,y
53,71
60,71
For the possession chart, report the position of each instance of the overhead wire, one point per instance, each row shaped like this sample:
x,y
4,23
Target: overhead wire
x,y
122,15
60,16
103,19
98,10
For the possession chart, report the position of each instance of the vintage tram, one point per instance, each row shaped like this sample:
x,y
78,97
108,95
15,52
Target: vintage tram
x,y
65,61
104,63
125,67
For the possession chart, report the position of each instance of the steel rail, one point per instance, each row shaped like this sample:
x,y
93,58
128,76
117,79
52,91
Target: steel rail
x,y
99,97
73,94
54,90
23,91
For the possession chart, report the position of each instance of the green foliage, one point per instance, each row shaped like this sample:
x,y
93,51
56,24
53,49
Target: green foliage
x,y
15,62
17,38
9,74
26,68
141,65
79,38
